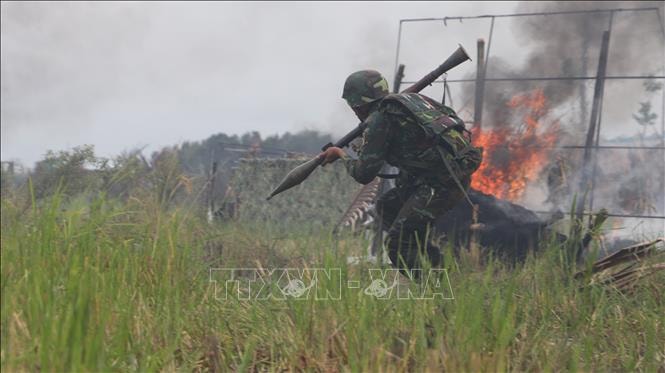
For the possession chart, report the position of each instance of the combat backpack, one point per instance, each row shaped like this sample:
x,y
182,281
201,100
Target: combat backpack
x,y
445,129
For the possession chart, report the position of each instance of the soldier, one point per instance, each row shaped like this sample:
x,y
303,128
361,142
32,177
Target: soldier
x,y
429,145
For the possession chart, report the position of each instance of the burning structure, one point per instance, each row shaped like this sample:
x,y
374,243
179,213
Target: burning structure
x,y
533,157
516,155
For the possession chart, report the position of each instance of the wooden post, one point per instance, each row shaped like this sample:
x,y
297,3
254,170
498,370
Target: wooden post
x,y
212,186
480,86
211,191
474,239
585,183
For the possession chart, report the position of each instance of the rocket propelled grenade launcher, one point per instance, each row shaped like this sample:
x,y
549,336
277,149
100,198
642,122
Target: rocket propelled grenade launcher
x,y
300,173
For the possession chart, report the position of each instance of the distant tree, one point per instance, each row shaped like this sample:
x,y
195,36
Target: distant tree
x,y
305,141
128,172
165,181
6,177
69,170
251,138
196,157
645,117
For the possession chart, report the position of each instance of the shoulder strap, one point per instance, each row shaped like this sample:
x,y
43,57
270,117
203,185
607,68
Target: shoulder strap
x,y
432,116
454,176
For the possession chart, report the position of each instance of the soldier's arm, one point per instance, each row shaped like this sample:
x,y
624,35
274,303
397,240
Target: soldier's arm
x,y
373,153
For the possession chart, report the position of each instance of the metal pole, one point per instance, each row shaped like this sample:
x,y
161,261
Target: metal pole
x,y
399,75
597,95
547,78
399,39
660,21
589,213
446,19
662,139
610,147
489,44
480,86
662,113
600,116
583,98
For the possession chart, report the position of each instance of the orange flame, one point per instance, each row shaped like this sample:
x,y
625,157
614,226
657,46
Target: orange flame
x,y
513,157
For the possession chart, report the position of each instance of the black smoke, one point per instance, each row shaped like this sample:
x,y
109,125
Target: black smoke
x,y
568,45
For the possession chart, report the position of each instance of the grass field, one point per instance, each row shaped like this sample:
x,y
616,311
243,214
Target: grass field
x,y
97,285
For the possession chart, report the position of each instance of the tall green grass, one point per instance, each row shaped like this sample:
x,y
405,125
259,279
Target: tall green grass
x,y
98,285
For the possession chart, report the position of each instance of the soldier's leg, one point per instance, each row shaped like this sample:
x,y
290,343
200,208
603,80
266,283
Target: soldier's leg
x,y
407,236
390,203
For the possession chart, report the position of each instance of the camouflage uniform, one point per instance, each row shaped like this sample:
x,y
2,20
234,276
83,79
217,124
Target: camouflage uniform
x,y
413,132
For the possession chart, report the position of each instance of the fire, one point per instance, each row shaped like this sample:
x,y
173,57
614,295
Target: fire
x,y
515,156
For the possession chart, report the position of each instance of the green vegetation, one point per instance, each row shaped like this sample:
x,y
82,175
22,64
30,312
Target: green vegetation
x,y
92,283
111,272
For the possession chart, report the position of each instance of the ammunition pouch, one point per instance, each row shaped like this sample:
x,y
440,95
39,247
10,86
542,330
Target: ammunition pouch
x,y
464,158
468,160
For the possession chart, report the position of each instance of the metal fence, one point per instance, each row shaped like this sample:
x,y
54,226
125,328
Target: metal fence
x,y
593,134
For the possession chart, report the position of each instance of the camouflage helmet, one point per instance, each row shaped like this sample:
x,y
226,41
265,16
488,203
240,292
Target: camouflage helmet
x,y
363,87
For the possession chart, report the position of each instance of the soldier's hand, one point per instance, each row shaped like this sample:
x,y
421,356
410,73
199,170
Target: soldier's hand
x,y
331,154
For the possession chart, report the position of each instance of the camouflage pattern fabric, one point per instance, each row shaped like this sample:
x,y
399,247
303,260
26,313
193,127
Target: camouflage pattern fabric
x,y
407,212
363,87
409,131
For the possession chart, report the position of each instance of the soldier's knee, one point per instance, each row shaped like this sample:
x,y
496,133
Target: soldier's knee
x,y
387,209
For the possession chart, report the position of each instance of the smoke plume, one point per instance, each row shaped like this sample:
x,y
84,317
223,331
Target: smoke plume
x,y
568,45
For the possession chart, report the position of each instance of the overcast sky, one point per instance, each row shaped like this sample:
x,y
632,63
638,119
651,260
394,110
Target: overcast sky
x,y
120,75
